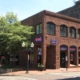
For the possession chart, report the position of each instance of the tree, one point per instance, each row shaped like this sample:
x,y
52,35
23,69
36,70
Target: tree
x,y
12,34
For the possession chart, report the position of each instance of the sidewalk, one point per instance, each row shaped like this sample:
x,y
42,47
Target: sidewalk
x,y
47,71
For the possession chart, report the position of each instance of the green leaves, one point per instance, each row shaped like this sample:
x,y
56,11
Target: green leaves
x,y
12,34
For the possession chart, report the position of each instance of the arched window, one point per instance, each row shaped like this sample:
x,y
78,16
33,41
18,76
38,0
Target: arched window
x,y
78,33
63,30
50,28
72,32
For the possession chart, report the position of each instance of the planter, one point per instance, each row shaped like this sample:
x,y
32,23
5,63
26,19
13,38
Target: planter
x,y
40,68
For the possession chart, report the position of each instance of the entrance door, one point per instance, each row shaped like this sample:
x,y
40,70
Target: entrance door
x,y
62,59
79,57
39,59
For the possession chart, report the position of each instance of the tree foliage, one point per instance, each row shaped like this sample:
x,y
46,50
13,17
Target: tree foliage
x,y
12,34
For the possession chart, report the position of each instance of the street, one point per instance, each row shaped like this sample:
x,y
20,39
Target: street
x,y
50,76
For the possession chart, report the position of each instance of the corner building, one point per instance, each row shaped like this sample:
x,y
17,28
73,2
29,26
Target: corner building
x,y
56,40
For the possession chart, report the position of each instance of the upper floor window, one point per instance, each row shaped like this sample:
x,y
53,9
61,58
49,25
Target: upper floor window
x,y
77,16
38,28
78,33
72,32
50,28
63,30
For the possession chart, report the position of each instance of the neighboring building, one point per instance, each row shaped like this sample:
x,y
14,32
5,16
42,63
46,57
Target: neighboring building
x,y
56,39
73,11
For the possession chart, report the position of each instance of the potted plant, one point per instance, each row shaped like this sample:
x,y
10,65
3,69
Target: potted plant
x,y
41,67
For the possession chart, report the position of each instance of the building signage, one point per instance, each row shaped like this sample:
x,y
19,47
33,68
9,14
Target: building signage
x,y
63,48
38,39
53,42
72,49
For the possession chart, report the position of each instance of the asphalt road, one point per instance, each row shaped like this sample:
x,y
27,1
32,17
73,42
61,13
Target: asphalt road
x,y
50,76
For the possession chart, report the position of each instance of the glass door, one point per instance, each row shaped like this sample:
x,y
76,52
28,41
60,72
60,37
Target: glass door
x,y
62,59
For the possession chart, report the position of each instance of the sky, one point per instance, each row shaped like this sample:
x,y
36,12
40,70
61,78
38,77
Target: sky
x,y
26,8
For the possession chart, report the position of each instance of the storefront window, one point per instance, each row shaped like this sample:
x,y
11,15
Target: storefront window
x,y
63,30
79,55
71,58
72,55
50,28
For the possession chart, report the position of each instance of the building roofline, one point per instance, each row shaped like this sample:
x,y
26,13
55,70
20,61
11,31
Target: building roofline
x,y
32,15
61,16
56,15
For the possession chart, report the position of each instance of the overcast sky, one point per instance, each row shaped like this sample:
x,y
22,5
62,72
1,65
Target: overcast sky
x,y
26,8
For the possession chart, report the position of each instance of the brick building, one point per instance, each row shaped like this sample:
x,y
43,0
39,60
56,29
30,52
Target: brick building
x,y
56,39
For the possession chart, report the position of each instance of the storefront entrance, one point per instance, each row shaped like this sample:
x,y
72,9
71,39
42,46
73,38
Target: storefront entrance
x,y
62,59
39,56
63,55
79,57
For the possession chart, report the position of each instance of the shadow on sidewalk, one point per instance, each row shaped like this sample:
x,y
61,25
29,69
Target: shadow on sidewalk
x,y
75,78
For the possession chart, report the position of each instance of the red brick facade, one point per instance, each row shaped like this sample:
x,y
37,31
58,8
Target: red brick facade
x,y
51,53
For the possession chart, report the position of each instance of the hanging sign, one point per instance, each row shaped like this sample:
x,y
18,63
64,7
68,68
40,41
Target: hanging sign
x,y
53,42
72,49
38,39
63,48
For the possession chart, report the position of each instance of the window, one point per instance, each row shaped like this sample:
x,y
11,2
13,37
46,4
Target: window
x,y
72,55
50,28
72,32
39,29
63,30
78,33
77,16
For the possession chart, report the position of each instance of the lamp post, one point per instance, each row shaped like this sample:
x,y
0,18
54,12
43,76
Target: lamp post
x,y
24,46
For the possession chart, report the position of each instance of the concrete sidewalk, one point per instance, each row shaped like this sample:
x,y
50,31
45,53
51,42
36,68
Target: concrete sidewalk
x,y
47,71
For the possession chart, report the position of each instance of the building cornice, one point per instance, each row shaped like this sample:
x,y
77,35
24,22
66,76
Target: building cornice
x,y
61,16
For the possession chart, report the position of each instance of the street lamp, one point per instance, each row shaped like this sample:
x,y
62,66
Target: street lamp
x,y
24,46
